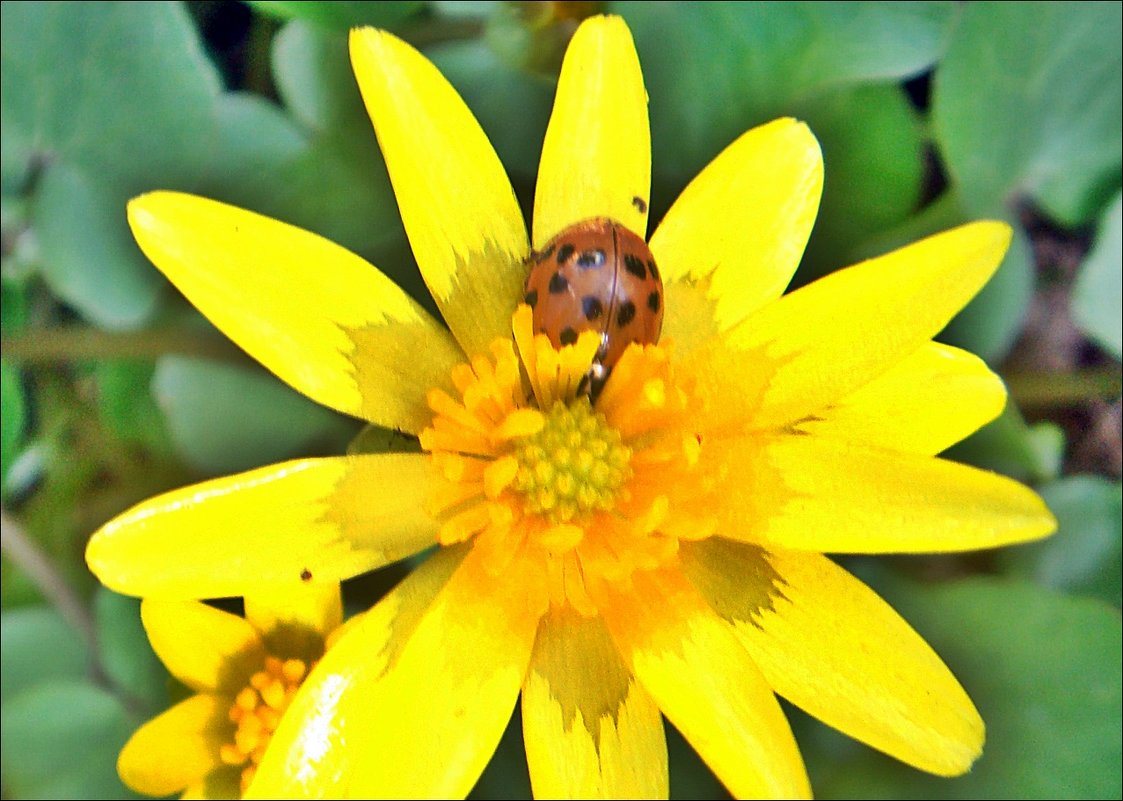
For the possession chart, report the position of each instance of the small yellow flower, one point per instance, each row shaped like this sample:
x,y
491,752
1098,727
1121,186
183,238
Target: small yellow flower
x,y
656,552
245,673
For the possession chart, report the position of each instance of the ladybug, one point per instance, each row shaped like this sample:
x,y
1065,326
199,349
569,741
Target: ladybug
x,y
596,276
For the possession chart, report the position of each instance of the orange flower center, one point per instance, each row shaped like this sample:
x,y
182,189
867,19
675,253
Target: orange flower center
x,y
560,494
257,711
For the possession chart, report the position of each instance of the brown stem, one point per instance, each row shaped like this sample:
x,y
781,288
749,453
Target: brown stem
x,y
74,343
1049,390
18,547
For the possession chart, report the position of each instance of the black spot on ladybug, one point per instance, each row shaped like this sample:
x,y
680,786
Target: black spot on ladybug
x,y
653,301
305,575
590,259
583,384
625,314
558,284
545,254
634,265
568,336
653,269
639,203
564,252
531,298
592,307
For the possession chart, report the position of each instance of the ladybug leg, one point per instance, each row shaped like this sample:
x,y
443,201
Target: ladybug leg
x,y
593,381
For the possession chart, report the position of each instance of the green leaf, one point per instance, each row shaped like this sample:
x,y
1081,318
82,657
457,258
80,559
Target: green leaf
x,y
729,66
513,107
102,101
14,306
341,192
20,255
871,141
461,9
312,70
1027,102
1097,297
1044,672
337,186
126,405
16,155
13,415
126,656
254,137
224,418
330,182
1009,446
89,258
38,646
1086,554
990,323
123,89
323,182
341,15
61,740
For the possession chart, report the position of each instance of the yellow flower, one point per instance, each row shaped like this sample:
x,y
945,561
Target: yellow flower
x,y
245,673
657,552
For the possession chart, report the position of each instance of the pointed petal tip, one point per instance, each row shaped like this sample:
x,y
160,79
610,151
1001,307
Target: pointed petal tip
x,y
141,209
804,145
368,44
988,240
603,22
960,756
100,562
93,559
611,30
363,33
375,41
998,231
153,199
1047,523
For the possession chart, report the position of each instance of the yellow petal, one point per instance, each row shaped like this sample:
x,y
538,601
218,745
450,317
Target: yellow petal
x,y
739,229
313,520
833,496
320,317
828,339
458,207
177,748
295,618
830,645
596,158
923,404
591,731
413,700
205,648
707,685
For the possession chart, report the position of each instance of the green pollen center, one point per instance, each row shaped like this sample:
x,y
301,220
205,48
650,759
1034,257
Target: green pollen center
x,y
575,465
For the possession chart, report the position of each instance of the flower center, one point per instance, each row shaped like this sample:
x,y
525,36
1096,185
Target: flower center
x,y
574,465
556,494
257,711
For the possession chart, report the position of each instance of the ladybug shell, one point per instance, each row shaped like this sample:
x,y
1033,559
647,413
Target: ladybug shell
x,y
596,276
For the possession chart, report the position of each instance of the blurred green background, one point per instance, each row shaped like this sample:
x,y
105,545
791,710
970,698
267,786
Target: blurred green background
x,y
929,113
